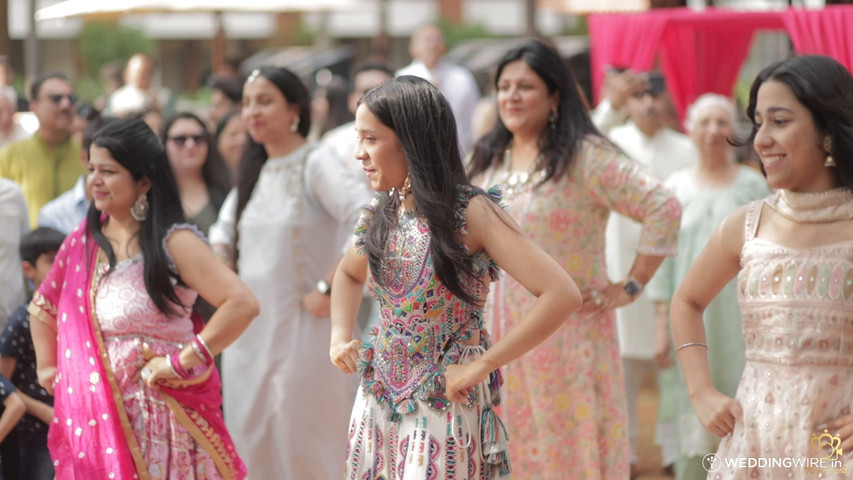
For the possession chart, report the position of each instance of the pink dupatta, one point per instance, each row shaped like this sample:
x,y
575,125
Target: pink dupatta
x,y
91,436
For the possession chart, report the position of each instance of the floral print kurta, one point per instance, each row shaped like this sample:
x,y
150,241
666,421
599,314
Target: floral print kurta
x,y
564,402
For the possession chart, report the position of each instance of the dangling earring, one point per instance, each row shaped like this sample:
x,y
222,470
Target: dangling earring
x,y
406,190
827,147
294,125
552,119
139,210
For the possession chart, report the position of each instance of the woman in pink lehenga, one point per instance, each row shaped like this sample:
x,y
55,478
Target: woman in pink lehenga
x,y
136,393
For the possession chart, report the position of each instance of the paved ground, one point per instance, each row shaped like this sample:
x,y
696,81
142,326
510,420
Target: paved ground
x,y
649,453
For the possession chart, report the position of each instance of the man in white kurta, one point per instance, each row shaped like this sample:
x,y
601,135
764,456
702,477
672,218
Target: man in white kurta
x,y
286,406
14,224
456,83
662,151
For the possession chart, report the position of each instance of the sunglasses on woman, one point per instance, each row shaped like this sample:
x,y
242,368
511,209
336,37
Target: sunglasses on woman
x,y
181,140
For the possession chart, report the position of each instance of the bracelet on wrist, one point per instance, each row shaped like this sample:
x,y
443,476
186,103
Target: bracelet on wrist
x,y
201,350
177,368
691,344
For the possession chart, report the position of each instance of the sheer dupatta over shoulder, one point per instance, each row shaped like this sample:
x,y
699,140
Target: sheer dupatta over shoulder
x,y
91,435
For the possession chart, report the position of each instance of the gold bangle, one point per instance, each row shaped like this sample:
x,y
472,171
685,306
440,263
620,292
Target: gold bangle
x,y
691,344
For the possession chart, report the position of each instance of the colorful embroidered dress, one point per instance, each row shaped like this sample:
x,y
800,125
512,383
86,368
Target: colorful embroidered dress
x,y
797,307
107,422
564,401
402,425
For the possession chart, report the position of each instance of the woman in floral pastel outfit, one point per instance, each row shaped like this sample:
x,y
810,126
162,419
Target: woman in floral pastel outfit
x,y
792,254
565,401
430,248
136,392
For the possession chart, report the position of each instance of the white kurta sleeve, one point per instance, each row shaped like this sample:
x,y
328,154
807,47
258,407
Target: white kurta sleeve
x,y
223,231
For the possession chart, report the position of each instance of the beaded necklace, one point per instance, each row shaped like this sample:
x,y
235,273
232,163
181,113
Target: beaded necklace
x,y
514,182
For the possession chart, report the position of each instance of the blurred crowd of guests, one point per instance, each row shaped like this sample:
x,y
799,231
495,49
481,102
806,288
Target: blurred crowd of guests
x,y
211,154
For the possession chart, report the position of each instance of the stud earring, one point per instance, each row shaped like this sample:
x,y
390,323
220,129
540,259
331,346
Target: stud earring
x,y
827,147
139,210
294,125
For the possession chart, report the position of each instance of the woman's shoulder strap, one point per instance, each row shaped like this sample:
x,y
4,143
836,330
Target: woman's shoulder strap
x,y
751,219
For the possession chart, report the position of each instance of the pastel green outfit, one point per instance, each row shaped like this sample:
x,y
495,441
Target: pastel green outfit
x,y
703,209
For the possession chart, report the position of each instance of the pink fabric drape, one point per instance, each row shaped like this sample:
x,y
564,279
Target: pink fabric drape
x,y
623,40
85,444
702,52
824,32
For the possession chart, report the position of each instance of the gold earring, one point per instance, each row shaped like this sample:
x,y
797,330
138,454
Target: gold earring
x,y
552,118
406,190
827,147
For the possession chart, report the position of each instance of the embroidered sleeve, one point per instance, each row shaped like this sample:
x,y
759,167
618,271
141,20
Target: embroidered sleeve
x,y
463,198
364,221
624,187
172,229
43,306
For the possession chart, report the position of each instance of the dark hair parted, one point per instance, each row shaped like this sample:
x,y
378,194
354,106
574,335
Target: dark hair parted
x,y
132,144
423,122
214,171
558,145
255,155
825,88
42,240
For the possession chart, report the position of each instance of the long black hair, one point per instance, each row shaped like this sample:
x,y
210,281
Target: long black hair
x,y
558,145
825,88
422,120
255,155
214,172
133,145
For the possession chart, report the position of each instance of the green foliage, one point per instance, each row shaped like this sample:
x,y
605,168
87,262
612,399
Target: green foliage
x,y
102,42
455,33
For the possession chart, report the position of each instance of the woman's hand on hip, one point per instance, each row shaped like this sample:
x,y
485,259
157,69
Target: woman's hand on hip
x,y
842,427
716,411
458,379
599,300
317,304
47,378
344,355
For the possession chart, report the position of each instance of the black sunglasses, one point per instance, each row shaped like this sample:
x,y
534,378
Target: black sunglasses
x,y
57,98
180,140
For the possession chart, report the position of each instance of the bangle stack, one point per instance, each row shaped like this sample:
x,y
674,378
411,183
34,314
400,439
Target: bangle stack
x,y
202,351
177,368
691,344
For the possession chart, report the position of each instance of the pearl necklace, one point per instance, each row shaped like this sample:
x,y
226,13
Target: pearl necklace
x,y
514,182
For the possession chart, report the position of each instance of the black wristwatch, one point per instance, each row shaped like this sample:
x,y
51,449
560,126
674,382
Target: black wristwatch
x,y
324,287
632,287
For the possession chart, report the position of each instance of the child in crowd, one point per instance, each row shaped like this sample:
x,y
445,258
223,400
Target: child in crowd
x,y
18,361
